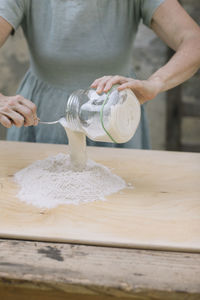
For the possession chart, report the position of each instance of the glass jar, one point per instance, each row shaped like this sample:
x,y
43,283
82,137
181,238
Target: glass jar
x,y
108,117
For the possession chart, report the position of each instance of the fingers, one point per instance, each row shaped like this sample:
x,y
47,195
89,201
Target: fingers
x,y
114,80
131,84
15,118
105,83
19,111
26,113
29,111
95,83
144,90
29,104
100,83
5,121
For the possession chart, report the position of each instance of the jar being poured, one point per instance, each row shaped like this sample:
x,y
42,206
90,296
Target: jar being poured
x,y
108,117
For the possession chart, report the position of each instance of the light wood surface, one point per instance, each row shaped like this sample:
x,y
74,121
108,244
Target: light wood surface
x,y
161,212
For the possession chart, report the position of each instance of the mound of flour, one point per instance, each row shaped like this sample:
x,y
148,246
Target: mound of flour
x,y
50,182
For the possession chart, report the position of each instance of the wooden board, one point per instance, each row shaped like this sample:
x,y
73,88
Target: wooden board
x,y
30,268
161,212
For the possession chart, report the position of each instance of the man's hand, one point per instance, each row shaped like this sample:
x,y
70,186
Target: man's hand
x,y
144,90
17,111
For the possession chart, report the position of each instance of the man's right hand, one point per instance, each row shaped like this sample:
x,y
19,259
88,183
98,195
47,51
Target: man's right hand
x,y
18,111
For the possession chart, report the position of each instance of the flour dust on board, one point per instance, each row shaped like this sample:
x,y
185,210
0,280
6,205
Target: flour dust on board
x,y
72,179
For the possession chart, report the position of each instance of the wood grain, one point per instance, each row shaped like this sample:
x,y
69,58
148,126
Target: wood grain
x,y
161,212
60,270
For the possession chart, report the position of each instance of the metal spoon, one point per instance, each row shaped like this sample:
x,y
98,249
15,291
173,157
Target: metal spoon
x,y
62,121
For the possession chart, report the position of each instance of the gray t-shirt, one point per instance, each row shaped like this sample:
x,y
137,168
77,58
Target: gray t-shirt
x,y
71,43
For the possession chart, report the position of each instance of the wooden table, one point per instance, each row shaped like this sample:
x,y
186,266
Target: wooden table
x,y
43,270
38,270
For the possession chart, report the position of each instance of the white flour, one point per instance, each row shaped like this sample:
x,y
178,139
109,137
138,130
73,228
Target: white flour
x,y
77,149
53,181
72,179
124,119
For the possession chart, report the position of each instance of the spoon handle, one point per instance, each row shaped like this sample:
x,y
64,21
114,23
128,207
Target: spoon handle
x,y
54,122
62,121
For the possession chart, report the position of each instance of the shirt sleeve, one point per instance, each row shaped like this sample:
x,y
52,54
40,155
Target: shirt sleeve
x,y
12,11
148,7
